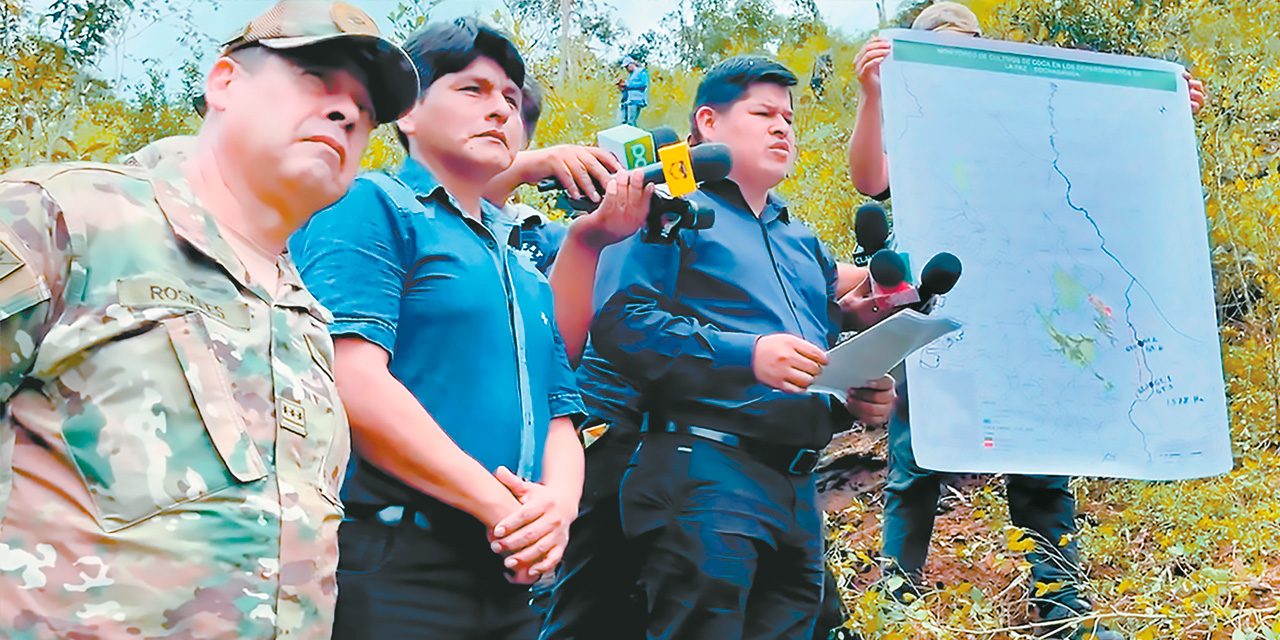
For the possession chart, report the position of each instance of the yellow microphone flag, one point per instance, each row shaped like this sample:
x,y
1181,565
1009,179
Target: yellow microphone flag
x,y
677,166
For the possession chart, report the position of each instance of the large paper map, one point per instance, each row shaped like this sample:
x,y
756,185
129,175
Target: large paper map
x,y
1067,182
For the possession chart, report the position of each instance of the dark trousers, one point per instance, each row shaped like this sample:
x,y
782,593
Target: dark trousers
x,y
425,575
1042,504
831,613
728,547
595,596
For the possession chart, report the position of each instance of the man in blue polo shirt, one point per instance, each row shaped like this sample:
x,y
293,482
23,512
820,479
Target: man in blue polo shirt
x,y
722,333
468,469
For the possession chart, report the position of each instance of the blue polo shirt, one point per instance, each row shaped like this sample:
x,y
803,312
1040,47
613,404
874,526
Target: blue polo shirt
x,y
685,317
467,318
604,393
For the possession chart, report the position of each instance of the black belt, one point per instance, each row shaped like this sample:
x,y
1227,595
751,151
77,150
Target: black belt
x,y
783,458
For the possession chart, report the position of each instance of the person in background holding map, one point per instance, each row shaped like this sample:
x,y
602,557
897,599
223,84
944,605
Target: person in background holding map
x,y
1044,505
635,90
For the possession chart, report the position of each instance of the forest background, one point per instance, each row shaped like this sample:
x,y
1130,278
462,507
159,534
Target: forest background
x,y
1194,559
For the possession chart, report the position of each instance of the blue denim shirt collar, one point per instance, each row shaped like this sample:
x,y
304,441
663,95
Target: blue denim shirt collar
x,y
424,184
419,178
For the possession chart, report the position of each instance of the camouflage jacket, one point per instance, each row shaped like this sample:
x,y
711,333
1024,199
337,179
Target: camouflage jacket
x,y
171,441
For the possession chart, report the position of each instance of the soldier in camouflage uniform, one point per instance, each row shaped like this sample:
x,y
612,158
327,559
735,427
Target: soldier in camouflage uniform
x,y
171,440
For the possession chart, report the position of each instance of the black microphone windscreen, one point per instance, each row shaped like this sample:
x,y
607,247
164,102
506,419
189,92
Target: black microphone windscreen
x,y
663,136
871,227
711,161
888,269
939,274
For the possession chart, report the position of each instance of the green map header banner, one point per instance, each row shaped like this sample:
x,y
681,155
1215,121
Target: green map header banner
x,y
1001,62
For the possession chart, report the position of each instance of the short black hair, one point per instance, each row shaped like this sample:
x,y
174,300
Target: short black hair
x,y
441,48
727,83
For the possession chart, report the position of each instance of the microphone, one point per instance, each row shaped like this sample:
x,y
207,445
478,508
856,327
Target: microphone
x,y
890,291
711,161
938,277
667,214
644,153
889,280
664,136
871,230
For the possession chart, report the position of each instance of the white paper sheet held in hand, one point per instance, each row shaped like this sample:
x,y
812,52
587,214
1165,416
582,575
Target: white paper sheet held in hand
x,y
874,352
1068,184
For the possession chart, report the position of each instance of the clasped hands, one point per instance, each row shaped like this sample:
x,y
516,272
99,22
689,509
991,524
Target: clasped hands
x,y
533,538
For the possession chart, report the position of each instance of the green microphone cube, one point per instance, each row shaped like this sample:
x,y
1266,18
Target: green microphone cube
x,y
632,146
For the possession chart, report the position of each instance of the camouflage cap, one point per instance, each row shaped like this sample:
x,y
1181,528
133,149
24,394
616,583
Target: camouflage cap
x,y
292,24
948,16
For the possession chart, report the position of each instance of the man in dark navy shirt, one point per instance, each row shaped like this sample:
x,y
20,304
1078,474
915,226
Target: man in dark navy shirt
x,y
722,333
449,361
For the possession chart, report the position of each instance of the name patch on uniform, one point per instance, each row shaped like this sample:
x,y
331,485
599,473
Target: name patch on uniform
x,y
292,416
145,292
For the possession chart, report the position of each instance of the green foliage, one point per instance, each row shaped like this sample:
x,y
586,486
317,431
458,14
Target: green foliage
x,y
83,26
591,22
409,16
1165,560
703,32
53,107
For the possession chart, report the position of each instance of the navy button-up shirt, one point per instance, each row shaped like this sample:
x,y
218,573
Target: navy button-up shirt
x,y
606,394
684,321
405,269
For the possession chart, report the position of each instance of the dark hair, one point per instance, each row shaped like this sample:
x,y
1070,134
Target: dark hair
x,y
441,48
727,83
530,106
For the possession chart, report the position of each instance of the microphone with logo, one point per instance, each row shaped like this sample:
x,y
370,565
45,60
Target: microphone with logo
x,y
639,151
871,230
667,214
891,293
889,286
